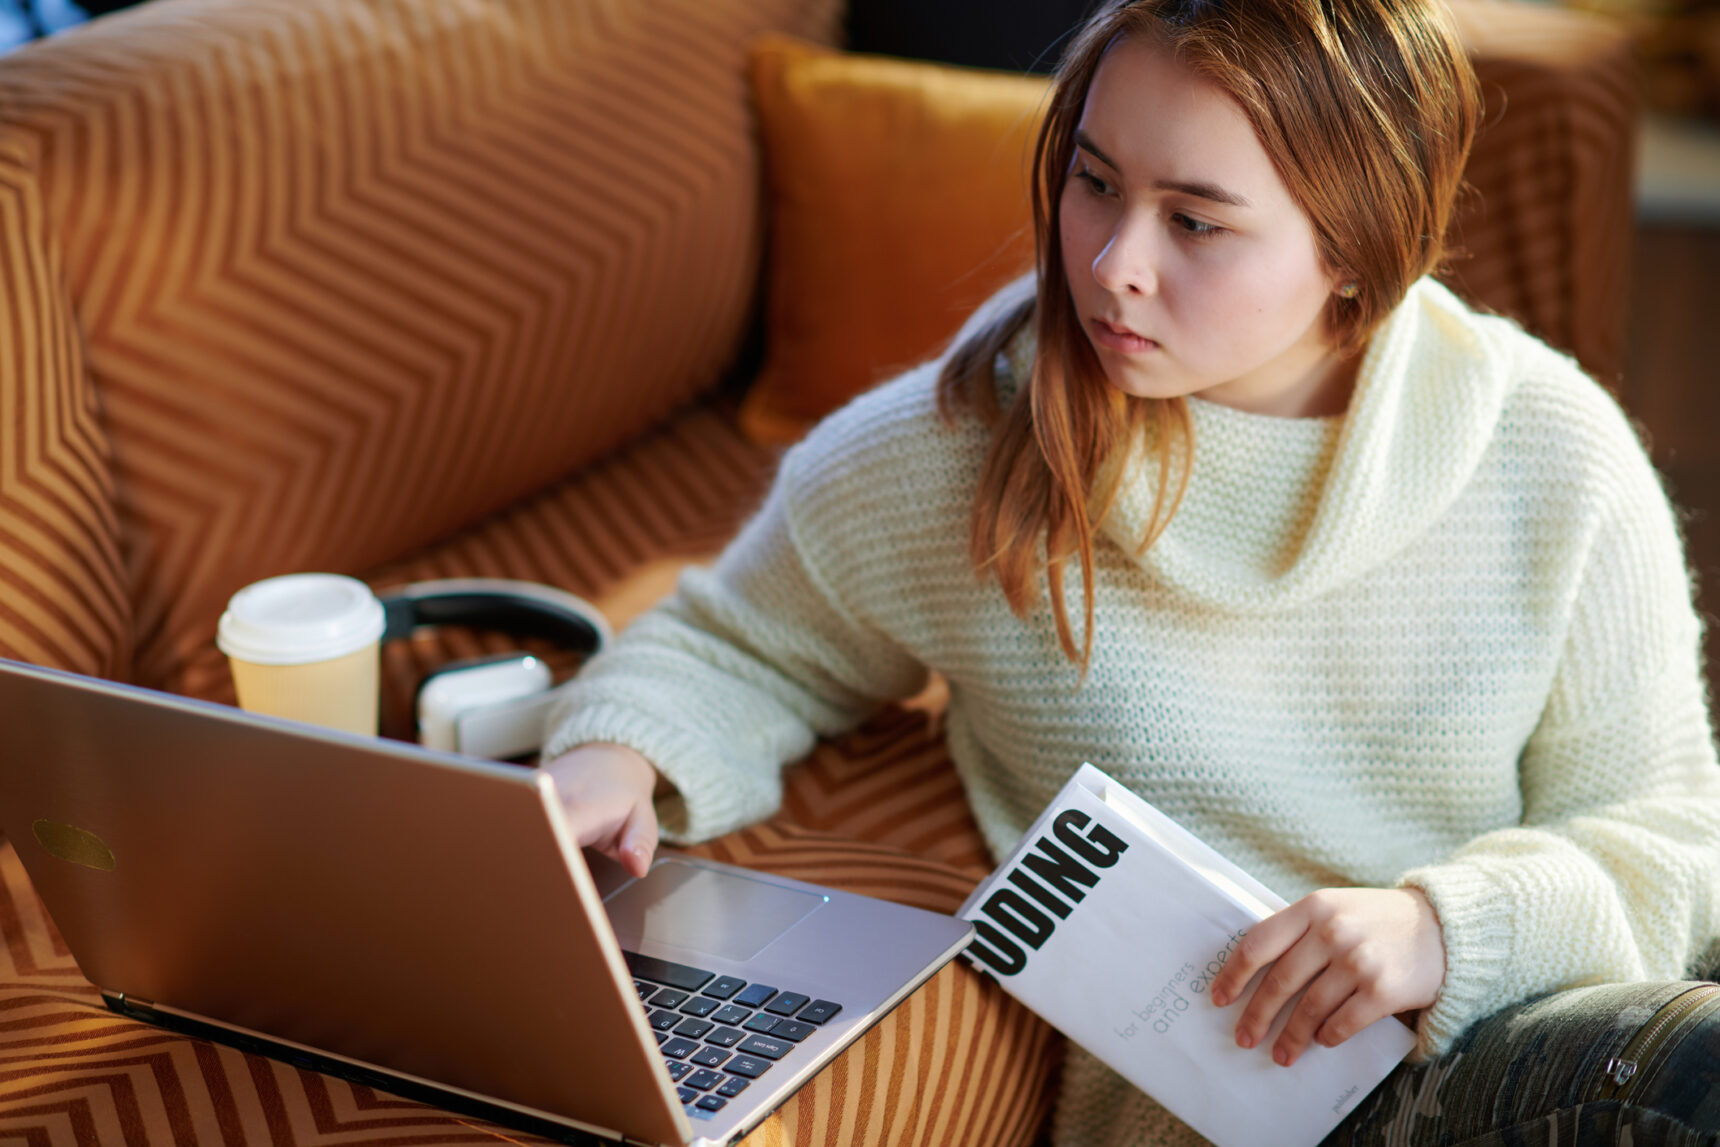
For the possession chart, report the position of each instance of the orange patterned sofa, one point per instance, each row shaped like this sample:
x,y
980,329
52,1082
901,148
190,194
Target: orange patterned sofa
x,y
431,288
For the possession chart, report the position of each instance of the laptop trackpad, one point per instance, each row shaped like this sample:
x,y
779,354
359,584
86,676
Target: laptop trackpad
x,y
724,914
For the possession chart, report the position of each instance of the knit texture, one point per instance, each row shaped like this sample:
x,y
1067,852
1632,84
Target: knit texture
x,y
1444,641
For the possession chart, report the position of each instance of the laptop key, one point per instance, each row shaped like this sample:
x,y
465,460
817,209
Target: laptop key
x,y
708,1057
664,1020
786,1004
661,1037
733,1087
766,1046
679,1048
677,1069
646,991
700,1006
755,995
668,998
693,1029
712,1102
732,1016
703,1080
745,1065
761,1023
686,1094
665,971
724,1037
725,986
818,1011
790,1030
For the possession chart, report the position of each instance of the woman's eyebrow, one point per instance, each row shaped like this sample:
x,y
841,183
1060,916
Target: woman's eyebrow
x,y
1199,190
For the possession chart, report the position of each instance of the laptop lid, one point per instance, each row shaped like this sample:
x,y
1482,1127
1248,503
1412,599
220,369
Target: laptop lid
x,y
404,908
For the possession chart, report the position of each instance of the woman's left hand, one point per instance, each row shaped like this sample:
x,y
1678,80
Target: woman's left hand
x,y
1361,953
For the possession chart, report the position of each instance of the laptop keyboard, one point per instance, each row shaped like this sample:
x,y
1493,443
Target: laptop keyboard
x,y
719,1033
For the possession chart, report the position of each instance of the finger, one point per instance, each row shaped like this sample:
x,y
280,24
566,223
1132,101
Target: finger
x,y
1358,1012
1326,996
1289,974
637,841
1264,943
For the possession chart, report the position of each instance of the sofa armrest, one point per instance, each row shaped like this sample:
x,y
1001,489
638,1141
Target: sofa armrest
x,y
63,588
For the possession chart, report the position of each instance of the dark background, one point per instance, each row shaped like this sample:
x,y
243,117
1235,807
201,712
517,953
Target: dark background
x,y
1019,35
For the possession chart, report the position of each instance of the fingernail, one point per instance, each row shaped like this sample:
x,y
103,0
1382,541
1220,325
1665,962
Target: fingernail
x,y
1243,1039
1220,998
1281,1057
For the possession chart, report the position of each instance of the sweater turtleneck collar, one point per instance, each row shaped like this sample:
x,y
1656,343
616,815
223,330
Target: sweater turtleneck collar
x,y
1282,510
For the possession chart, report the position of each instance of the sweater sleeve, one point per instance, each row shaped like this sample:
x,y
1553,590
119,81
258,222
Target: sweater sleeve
x,y
1613,873
738,672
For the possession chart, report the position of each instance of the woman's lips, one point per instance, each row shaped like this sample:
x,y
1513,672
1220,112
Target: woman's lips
x,y
1120,339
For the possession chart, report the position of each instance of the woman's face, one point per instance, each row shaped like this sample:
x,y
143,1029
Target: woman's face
x,y
1192,269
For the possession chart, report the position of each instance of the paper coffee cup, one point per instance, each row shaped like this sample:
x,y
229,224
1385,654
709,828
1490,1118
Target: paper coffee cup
x,y
305,646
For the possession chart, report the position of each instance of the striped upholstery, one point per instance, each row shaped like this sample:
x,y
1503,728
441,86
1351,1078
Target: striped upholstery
x,y
63,589
614,534
321,338
352,284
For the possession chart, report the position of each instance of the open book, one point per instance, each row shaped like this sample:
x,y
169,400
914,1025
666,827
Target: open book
x,y
1110,920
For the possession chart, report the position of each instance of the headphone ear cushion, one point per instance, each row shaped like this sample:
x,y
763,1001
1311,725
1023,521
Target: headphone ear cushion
x,y
485,706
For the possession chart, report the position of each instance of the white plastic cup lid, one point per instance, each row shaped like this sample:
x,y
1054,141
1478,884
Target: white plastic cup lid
x,y
295,619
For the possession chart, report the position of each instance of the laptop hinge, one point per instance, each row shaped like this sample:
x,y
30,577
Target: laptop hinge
x,y
125,1001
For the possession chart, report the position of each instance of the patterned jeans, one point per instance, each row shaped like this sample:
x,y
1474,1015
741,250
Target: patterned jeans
x,y
1628,1064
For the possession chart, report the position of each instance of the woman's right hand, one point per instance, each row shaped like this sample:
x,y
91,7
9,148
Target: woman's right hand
x,y
607,792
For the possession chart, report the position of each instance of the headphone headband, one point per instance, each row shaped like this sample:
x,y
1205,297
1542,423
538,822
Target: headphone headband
x,y
517,608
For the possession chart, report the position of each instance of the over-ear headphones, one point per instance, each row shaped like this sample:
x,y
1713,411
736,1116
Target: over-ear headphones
x,y
490,706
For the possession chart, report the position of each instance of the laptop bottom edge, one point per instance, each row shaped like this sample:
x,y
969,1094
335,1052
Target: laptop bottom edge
x,y
407,1087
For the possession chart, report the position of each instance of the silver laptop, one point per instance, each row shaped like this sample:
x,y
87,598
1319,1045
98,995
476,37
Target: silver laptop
x,y
424,923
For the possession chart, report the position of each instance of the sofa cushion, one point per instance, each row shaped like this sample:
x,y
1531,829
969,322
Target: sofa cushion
x,y
348,276
616,533
898,199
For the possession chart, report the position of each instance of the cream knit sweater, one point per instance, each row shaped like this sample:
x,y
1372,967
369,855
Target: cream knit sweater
x,y
1445,640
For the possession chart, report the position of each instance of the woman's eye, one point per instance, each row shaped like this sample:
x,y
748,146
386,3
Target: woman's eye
x,y
1198,228
1094,184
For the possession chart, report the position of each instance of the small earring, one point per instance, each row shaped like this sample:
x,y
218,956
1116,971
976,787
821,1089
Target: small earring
x,y
1349,290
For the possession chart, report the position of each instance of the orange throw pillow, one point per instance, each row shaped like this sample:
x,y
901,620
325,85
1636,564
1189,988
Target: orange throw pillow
x,y
898,201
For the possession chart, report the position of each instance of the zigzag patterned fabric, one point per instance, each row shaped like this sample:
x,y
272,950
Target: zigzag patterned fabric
x,y
879,812
341,277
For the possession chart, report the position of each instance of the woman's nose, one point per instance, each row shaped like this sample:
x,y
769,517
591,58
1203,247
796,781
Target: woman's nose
x,y
1128,261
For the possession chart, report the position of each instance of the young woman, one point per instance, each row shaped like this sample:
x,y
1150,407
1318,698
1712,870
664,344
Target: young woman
x,y
1379,596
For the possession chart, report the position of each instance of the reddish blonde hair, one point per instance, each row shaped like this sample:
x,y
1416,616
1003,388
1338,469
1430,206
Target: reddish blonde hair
x,y
1367,109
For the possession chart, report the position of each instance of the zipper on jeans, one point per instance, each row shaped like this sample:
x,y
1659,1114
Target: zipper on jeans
x,y
1624,1071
